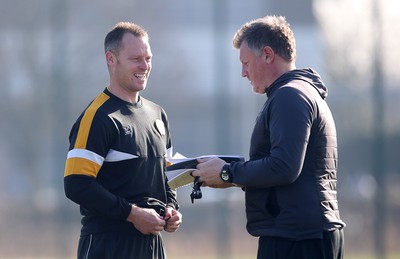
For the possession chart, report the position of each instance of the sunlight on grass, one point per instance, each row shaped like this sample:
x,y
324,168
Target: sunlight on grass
x,y
347,256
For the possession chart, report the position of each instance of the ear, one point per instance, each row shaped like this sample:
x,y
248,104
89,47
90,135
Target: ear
x,y
268,54
110,58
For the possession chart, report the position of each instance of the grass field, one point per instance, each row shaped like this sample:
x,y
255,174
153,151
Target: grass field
x,y
355,256
349,256
359,256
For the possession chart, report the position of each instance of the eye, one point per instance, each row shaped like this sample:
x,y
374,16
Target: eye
x,y
134,59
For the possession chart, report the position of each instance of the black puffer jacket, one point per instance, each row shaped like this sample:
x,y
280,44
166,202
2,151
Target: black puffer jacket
x,y
291,176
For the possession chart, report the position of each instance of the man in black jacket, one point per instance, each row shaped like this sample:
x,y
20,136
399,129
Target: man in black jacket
x,y
290,179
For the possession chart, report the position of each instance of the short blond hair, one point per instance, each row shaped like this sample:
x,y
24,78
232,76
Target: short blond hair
x,y
113,39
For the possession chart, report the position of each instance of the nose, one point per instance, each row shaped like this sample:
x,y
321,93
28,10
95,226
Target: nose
x,y
145,65
244,72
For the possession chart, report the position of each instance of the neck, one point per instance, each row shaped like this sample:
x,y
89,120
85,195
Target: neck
x,y
131,97
284,67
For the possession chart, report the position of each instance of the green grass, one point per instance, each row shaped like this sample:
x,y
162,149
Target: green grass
x,y
347,256
364,256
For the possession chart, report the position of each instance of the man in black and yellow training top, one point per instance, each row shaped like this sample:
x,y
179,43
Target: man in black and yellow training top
x,y
115,169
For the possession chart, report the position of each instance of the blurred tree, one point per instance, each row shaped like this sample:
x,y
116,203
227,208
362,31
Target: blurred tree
x,y
355,43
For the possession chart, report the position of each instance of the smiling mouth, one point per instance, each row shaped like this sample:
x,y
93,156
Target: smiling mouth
x,y
140,76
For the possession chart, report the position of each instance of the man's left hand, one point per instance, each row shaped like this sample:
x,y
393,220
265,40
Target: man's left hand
x,y
208,170
173,219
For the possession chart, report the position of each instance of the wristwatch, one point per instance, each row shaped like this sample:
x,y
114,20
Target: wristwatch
x,y
226,174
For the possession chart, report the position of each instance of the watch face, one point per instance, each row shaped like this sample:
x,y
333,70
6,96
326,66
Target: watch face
x,y
225,176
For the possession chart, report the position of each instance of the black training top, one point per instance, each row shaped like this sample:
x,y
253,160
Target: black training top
x,y
117,158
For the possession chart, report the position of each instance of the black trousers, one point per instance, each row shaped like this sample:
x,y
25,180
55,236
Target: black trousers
x,y
331,246
121,245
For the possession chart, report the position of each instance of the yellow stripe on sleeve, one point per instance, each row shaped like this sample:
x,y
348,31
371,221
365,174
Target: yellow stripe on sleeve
x,y
87,120
82,166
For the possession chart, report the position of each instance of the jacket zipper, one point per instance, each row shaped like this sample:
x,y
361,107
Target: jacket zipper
x,y
88,249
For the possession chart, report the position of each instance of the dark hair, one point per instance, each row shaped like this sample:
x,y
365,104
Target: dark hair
x,y
113,40
273,31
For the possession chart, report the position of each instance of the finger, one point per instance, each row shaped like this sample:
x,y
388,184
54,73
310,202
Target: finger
x,y
174,219
171,228
174,223
158,229
204,159
195,173
168,213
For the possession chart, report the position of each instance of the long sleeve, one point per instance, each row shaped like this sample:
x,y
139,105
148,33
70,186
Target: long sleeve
x,y
279,141
87,192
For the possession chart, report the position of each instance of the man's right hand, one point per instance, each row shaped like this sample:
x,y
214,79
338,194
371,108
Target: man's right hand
x,y
147,221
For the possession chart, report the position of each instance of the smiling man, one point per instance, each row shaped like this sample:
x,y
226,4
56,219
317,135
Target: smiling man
x,y
115,168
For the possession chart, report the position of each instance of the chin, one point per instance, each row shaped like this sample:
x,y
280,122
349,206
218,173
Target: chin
x,y
258,90
141,87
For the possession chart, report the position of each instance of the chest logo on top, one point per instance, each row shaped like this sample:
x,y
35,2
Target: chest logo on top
x,y
127,130
160,127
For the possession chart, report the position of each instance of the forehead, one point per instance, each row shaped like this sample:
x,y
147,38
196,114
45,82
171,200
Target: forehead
x,y
135,45
245,52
